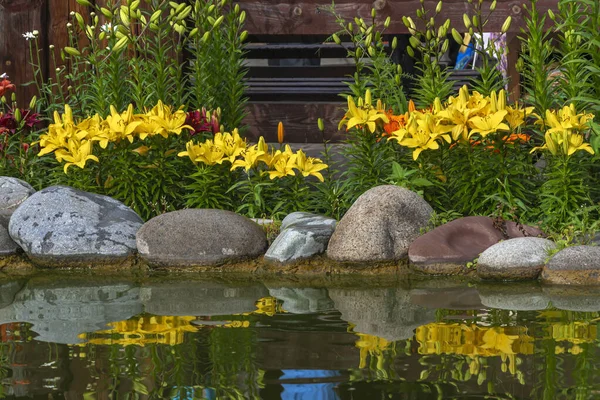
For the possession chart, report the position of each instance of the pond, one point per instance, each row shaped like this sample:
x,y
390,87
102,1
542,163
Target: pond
x,y
86,337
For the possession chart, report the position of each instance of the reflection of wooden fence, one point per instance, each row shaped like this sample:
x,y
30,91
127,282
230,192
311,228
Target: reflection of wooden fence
x,y
266,21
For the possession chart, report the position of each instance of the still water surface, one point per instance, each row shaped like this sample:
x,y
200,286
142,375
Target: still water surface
x,y
89,338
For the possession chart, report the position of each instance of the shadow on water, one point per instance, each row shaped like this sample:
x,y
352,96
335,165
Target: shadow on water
x,y
189,337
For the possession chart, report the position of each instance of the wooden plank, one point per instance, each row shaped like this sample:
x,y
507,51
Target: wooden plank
x,y
299,120
16,18
311,17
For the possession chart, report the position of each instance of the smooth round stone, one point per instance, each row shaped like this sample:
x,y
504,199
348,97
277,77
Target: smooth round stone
x,y
379,226
13,192
200,237
8,247
514,259
577,265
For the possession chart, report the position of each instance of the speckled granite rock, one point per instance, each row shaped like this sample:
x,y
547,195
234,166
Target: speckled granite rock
x,y
514,259
577,265
379,226
199,237
13,192
8,247
303,235
446,249
63,227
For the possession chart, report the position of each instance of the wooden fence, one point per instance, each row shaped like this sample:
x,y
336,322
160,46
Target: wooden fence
x,y
266,21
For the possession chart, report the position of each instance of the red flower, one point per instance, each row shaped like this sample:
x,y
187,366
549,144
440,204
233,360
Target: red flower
x,y
5,86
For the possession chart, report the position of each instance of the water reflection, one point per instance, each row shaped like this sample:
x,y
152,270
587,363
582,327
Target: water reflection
x,y
79,339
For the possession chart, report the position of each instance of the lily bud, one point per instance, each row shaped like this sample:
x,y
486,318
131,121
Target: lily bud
x,y
244,36
502,100
373,13
493,5
411,106
3,99
336,39
414,42
506,24
466,21
387,22
280,133
437,105
494,101
394,43
438,8
350,27
551,15
445,45
84,3
205,37
410,51
218,22
120,43
457,37
72,51
32,102
242,17
368,97
320,124
475,20
17,115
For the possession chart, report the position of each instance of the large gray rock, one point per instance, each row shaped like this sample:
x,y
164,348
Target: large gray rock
x,y
13,192
379,226
201,298
514,259
64,227
573,298
387,313
303,300
8,247
199,237
578,265
303,235
60,313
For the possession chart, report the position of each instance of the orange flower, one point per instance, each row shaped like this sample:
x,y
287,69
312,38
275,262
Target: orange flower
x,y
516,137
395,122
280,132
411,106
5,86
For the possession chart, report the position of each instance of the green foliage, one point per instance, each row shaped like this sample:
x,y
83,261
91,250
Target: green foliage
x,y
408,178
535,60
371,55
427,45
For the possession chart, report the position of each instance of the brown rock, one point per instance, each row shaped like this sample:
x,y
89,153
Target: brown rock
x,y
448,248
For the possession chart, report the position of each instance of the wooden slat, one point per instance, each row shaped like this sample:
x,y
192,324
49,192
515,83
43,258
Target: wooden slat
x,y
299,120
16,18
306,71
310,17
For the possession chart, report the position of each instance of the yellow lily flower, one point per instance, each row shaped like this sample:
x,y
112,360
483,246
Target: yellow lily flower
x,y
364,114
283,164
309,166
78,154
124,124
489,124
250,156
516,116
231,143
193,151
576,143
210,153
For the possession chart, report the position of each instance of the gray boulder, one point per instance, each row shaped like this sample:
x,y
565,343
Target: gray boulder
x,y
65,227
13,192
303,300
303,235
199,237
387,313
514,259
8,247
573,298
577,265
379,226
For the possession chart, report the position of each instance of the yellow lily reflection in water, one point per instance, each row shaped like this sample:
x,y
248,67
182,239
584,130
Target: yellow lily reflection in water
x,y
144,330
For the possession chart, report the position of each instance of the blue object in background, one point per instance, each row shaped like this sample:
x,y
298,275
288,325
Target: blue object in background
x,y
464,58
308,391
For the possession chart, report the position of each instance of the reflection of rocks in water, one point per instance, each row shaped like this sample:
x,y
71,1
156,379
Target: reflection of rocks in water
x,y
458,298
526,296
59,313
8,291
201,298
303,300
386,313
574,298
